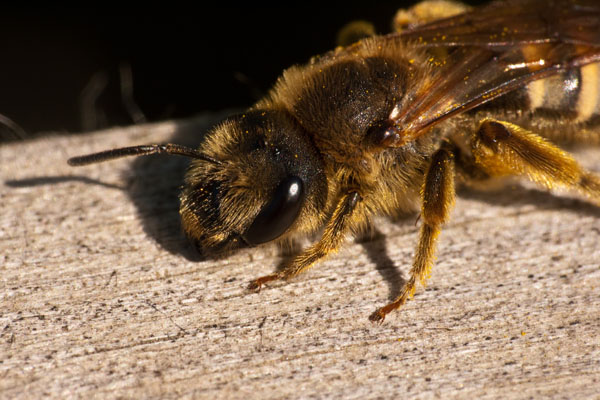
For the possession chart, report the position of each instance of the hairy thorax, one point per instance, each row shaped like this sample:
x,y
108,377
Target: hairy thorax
x,y
338,98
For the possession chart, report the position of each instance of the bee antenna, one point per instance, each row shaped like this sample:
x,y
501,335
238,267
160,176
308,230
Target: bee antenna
x,y
145,150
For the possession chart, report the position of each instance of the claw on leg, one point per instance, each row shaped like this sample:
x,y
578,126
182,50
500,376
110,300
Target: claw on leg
x,y
379,315
256,284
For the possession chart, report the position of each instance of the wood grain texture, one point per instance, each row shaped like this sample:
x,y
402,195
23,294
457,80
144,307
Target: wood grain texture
x,y
100,295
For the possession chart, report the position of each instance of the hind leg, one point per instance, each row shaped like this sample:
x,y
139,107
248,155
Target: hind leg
x,y
500,148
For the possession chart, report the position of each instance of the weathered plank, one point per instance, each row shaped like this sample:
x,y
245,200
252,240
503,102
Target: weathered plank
x,y
101,296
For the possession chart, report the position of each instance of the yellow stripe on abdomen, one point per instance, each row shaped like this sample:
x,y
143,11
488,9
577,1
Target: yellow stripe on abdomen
x,y
536,91
588,101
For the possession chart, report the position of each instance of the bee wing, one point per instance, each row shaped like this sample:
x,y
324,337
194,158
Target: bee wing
x,y
506,23
491,51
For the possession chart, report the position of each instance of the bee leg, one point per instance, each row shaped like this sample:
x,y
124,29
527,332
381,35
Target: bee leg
x,y
332,238
427,11
437,201
354,31
501,149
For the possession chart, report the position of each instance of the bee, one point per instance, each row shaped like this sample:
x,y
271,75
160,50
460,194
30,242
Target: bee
x,y
391,123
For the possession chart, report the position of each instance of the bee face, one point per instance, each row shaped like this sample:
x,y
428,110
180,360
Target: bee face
x,y
268,182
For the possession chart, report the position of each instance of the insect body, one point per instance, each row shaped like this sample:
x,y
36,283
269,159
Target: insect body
x,y
390,123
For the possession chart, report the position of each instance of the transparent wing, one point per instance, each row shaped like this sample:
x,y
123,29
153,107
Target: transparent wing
x,y
507,23
491,51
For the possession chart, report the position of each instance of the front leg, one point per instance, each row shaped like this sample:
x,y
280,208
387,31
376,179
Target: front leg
x,y
332,238
438,196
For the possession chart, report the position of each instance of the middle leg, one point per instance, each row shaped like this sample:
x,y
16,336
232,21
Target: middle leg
x,y
438,195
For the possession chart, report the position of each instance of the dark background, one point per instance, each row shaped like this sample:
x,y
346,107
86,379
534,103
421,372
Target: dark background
x,y
61,67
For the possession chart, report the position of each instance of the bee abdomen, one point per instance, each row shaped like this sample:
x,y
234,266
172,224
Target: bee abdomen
x,y
574,94
564,108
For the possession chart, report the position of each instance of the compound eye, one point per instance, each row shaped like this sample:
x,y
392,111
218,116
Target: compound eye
x,y
279,214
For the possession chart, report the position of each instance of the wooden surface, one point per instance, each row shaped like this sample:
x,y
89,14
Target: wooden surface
x,y
100,295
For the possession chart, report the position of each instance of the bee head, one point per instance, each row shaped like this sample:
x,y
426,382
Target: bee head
x,y
268,182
